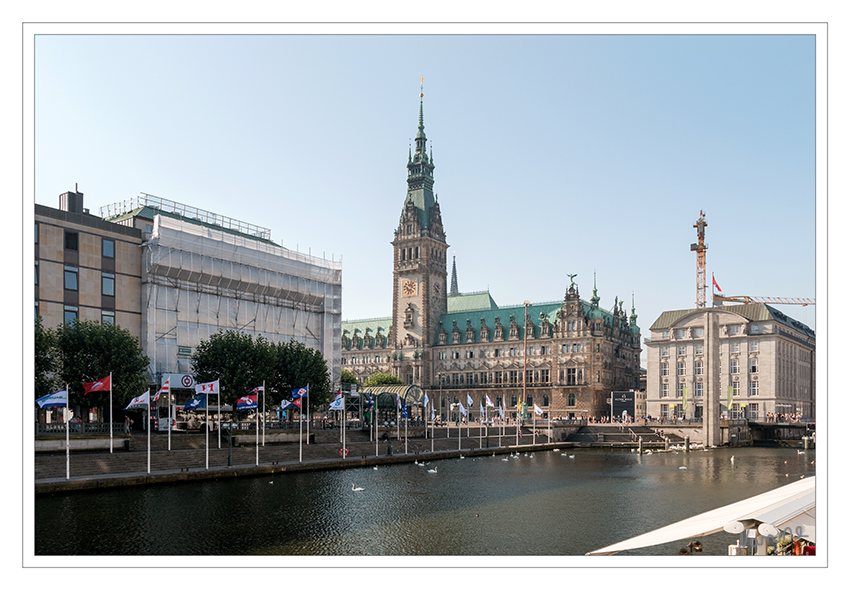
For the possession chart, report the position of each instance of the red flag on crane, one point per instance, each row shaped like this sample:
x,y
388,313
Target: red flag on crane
x,y
713,282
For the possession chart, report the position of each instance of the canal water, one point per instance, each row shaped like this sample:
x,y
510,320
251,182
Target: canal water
x,y
546,503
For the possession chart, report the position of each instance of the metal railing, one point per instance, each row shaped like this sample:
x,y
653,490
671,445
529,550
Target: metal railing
x,y
187,211
79,428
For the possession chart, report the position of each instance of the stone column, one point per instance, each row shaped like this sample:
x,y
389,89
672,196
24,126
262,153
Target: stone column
x,y
711,410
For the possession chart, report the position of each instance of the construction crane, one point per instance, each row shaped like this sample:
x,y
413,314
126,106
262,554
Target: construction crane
x,y
700,247
774,300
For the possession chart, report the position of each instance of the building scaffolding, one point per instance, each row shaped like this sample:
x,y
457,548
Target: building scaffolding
x,y
198,279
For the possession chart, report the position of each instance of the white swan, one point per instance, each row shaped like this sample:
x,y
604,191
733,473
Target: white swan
x,y
432,470
572,456
682,467
375,467
353,489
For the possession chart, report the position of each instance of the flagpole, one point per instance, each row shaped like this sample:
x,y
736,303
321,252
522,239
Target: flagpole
x,y
300,427
207,429
110,411
218,413
308,413
256,436
406,419
458,425
480,433
148,420
168,380
264,412
67,433
375,420
344,453
433,419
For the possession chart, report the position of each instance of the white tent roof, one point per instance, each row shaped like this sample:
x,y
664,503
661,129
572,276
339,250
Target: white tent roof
x,y
792,505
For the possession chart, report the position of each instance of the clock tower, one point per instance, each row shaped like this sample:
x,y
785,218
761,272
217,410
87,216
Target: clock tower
x,y
419,268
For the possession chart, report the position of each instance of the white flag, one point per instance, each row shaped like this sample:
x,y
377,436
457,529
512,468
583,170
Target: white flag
x,y
502,411
425,403
469,400
488,402
138,403
537,410
337,404
166,388
462,409
211,387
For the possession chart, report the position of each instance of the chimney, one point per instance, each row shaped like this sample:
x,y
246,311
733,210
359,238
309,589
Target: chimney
x,y
72,201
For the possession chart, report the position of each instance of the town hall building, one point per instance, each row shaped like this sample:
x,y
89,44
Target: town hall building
x,y
565,357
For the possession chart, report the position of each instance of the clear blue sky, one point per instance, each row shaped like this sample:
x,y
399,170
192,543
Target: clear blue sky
x,y
554,154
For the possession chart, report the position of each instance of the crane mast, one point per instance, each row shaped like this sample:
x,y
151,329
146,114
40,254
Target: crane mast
x,y
700,247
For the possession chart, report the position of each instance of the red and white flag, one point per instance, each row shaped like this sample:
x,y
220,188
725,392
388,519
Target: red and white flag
x,y
713,282
166,388
211,387
99,385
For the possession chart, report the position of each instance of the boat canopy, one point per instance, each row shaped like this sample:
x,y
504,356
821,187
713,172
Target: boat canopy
x,y
789,507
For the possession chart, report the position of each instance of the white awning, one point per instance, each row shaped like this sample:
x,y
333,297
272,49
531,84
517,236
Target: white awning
x,y
792,505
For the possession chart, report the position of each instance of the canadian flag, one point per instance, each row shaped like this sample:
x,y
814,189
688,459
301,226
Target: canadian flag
x,y
713,282
99,385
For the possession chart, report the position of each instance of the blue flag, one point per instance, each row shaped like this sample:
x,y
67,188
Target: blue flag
x,y
246,402
404,411
337,404
198,402
301,391
58,399
288,405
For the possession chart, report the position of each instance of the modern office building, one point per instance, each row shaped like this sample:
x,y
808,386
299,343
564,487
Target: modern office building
x,y
203,272
173,275
765,363
86,268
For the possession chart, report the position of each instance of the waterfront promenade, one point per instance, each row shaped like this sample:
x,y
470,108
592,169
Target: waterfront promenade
x,y
186,461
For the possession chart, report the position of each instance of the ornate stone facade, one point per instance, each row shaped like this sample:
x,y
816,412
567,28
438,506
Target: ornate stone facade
x,y
565,357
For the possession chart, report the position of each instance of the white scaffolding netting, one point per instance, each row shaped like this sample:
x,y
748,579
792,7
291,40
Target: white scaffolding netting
x,y
199,280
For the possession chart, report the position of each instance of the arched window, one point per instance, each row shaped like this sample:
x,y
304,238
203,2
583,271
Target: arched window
x,y
545,399
571,400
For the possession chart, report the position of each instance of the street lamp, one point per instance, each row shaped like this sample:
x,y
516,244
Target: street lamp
x,y
442,377
525,303
388,426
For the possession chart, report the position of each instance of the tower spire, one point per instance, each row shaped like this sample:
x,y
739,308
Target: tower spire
x,y
454,290
595,299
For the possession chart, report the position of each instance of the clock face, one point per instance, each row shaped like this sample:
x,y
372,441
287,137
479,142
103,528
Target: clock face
x,y
408,287
436,288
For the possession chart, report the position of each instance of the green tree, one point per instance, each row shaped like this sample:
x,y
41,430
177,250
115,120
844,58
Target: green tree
x,y
347,378
239,362
89,351
297,366
46,360
382,379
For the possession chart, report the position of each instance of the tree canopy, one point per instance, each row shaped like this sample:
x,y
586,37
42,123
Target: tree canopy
x,y
46,360
88,351
382,379
241,362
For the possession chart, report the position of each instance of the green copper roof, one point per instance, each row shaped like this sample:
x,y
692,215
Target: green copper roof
x,y
470,301
384,324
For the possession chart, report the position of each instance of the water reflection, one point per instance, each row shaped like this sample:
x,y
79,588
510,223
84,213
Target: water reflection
x,y
540,504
